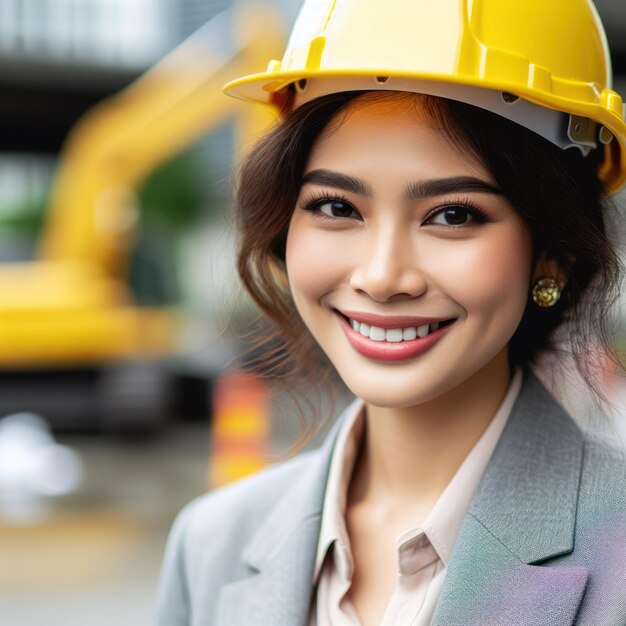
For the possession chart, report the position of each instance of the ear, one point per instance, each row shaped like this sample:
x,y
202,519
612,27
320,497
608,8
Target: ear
x,y
550,267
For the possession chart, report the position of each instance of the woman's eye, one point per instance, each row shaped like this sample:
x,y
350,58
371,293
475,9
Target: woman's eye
x,y
453,216
337,208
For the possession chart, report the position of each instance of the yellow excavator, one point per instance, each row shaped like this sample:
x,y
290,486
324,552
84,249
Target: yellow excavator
x,y
74,345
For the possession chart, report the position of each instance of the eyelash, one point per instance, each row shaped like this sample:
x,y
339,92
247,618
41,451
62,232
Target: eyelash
x,y
477,214
313,202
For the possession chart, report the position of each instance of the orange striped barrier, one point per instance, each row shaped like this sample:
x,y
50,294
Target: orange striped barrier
x,y
240,430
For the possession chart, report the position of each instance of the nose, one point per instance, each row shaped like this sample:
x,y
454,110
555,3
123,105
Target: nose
x,y
388,268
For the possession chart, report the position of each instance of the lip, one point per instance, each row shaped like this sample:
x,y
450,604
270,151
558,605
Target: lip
x,y
386,351
391,321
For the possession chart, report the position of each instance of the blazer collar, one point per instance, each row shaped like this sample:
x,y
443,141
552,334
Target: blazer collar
x,y
523,513
528,495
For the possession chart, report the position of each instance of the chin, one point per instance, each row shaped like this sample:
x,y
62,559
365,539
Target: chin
x,y
381,393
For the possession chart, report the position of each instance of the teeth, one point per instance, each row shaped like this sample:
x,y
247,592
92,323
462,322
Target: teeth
x,y
409,333
422,331
377,334
393,335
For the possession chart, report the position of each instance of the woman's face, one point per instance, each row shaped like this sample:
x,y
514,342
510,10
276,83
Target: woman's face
x,y
396,232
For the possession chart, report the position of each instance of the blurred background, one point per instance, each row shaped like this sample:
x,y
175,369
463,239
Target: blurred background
x,y
120,312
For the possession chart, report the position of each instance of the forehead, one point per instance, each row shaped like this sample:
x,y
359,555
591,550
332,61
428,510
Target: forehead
x,y
392,132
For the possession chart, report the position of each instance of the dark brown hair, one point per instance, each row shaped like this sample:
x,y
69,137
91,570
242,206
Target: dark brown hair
x,y
555,191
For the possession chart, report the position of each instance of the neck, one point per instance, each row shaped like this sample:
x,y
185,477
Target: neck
x,y
410,454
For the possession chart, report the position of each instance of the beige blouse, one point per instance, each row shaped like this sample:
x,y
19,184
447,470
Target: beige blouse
x,y
423,551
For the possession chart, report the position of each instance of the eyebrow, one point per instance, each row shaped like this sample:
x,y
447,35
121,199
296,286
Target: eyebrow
x,y
339,181
440,186
413,191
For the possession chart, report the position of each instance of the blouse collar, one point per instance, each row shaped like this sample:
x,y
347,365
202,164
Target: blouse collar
x,y
445,518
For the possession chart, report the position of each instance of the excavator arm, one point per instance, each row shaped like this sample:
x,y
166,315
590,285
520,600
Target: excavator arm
x,y
121,140
72,304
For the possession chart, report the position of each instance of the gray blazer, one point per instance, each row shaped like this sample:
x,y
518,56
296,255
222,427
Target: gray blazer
x,y
543,543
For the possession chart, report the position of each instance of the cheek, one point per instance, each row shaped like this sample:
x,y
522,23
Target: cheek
x,y
314,259
487,274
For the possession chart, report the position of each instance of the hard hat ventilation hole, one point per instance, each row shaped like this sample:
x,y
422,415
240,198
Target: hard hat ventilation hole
x,y
381,80
301,84
605,135
509,98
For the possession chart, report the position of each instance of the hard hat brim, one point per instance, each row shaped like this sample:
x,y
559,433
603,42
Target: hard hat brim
x,y
262,86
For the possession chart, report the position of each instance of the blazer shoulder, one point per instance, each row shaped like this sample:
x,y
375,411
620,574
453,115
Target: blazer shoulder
x,y
603,479
239,506
205,543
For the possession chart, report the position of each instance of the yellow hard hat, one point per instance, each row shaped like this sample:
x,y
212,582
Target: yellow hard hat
x,y
543,63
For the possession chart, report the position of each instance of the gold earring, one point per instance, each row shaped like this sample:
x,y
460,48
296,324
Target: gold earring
x,y
546,292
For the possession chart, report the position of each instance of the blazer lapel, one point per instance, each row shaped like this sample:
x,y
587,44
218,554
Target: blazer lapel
x,y
281,554
487,585
523,513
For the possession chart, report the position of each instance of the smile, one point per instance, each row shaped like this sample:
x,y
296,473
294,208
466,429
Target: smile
x,y
392,338
393,335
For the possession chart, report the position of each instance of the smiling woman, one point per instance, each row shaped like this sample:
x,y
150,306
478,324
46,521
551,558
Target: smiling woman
x,y
433,229
549,193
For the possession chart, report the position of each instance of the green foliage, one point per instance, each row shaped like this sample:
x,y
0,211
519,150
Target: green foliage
x,y
171,201
173,195
26,217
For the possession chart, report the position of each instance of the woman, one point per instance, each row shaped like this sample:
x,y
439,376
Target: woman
x,y
430,209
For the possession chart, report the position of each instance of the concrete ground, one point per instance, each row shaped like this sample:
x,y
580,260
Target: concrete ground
x,y
94,561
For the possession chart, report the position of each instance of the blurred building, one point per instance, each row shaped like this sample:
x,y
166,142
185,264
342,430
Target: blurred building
x,y
188,15
59,57
130,33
